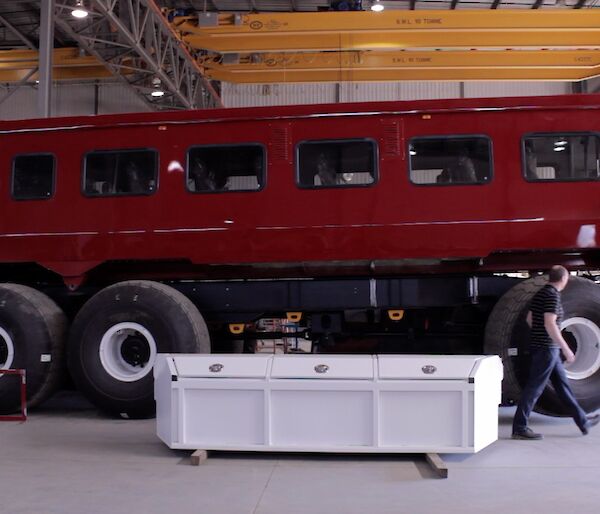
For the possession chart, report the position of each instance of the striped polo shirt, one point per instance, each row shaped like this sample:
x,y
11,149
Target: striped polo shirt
x,y
545,300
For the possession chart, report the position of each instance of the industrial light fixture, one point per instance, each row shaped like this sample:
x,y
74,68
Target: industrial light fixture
x,y
79,11
157,92
377,6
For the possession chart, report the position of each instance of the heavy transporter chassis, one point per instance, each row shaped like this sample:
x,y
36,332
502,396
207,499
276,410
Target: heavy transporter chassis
x,y
116,331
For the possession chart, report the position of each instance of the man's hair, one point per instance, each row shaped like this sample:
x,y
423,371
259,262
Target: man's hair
x,y
557,273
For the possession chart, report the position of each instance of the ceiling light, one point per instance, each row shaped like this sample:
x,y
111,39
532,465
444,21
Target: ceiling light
x,y
377,6
158,91
79,10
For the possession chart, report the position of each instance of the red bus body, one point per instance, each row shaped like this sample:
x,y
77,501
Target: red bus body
x,y
393,225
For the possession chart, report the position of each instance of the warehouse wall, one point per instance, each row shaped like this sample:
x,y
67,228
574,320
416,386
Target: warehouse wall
x,y
115,97
496,89
71,99
235,95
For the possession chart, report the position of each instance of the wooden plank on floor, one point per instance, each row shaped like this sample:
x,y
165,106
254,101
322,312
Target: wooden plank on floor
x,y
198,457
437,464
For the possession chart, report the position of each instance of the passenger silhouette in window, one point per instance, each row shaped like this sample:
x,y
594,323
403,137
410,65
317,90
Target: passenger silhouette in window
x,y
134,182
530,161
464,171
325,173
201,179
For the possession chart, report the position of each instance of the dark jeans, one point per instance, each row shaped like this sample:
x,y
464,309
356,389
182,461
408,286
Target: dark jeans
x,y
546,365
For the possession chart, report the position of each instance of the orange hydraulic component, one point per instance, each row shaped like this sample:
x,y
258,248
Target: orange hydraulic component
x,y
294,317
396,314
236,328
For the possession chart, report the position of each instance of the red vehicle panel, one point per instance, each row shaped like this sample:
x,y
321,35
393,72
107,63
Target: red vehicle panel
x,y
393,223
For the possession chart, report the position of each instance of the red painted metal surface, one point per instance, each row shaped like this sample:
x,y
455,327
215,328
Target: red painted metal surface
x,y
22,416
506,224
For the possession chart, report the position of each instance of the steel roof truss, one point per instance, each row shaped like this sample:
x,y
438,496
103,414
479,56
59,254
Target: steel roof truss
x,y
152,50
18,33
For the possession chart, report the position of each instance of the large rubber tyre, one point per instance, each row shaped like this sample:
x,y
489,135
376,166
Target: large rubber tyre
x,y
32,335
507,335
116,335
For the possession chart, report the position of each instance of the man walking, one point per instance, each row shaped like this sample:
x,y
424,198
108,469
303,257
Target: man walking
x,y
544,318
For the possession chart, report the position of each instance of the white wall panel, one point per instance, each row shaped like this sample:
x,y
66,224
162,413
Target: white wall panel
x,y
114,98
22,104
72,100
368,91
246,95
500,89
242,95
427,90
381,91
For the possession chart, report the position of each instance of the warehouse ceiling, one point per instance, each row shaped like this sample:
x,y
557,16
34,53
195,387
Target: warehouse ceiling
x,y
184,48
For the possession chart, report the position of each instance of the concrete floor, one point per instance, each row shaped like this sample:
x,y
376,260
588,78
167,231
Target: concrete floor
x,y
68,458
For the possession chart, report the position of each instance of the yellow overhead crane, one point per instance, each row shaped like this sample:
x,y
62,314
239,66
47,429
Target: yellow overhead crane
x,y
68,64
396,45
391,30
564,65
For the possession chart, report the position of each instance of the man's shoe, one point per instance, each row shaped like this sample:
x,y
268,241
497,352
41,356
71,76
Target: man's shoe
x,y
592,421
530,434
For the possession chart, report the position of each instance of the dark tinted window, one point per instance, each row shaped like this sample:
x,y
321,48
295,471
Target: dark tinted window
x,y
336,163
450,160
556,157
33,177
120,172
213,169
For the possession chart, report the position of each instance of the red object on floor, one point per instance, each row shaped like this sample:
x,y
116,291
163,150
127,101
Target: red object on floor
x,y
23,415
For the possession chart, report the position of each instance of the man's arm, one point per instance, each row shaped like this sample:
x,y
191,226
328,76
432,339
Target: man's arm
x,y
529,319
554,333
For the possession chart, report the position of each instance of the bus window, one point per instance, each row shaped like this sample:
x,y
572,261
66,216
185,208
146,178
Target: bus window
x,y
220,168
447,160
347,163
120,172
33,177
560,157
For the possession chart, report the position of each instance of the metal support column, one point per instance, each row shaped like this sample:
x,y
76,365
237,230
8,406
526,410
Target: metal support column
x,y
45,57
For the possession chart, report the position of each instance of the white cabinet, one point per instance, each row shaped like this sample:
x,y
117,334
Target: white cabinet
x,y
334,403
446,402
321,401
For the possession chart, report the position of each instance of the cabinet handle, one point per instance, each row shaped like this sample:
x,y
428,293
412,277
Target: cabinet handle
x,y
429,369
321,368
215,368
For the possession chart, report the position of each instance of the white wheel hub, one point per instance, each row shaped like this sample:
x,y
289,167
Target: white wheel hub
x,y
127,351
587,356
7,349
